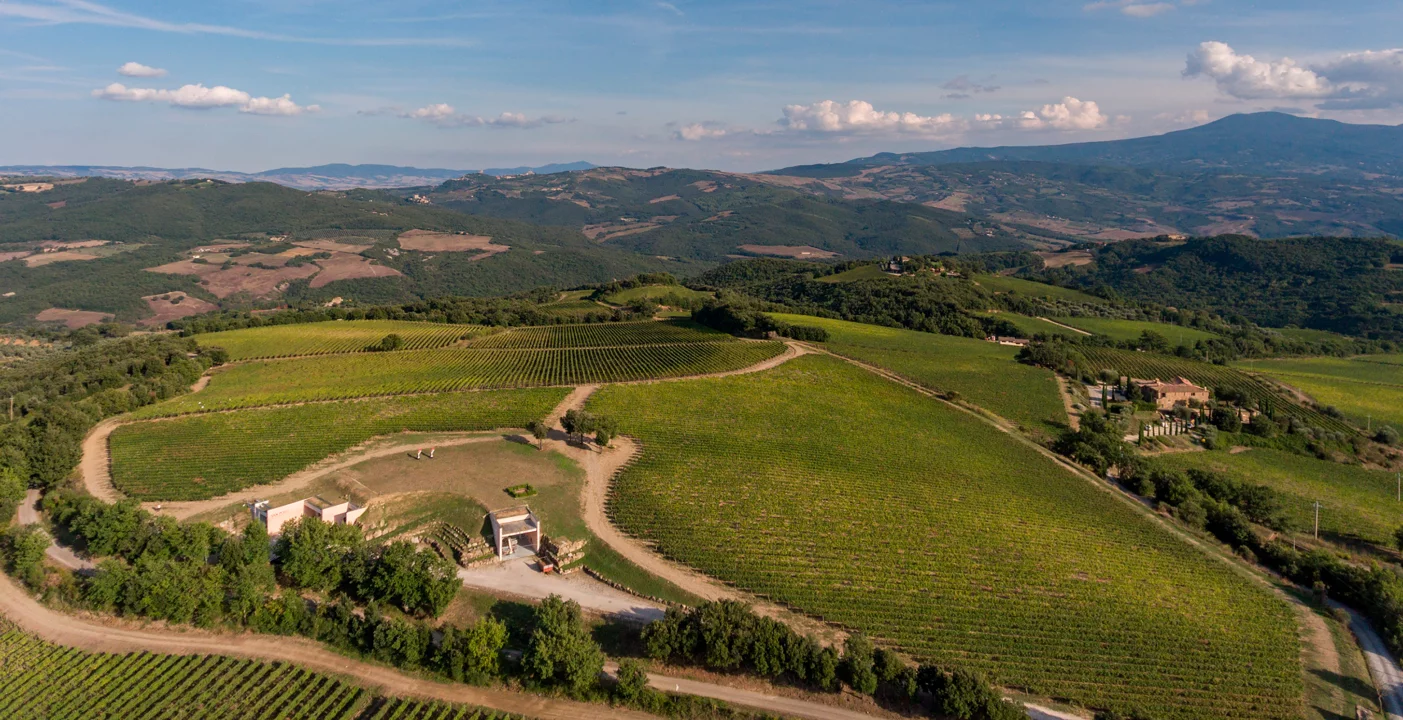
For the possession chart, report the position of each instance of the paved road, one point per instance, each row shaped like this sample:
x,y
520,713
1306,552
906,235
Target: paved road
x,y
1382,665
518,577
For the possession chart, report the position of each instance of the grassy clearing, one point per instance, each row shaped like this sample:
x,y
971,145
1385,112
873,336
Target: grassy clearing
x,y
1368,389
656,293
41,680
850,498
341,377
204,456
342,336
1132,329
557,337
862,272
1005,283
1309,335
984,373
1356,503
1031,326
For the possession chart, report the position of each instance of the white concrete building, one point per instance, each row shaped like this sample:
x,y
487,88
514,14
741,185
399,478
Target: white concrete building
x,y
515,526
275,517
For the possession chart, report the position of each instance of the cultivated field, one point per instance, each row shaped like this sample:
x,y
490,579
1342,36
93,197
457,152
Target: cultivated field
x,y
984,373
207,455
40,681
1131,329
1031,326
1149,365
655,293
72,318
1004,283
861,272
828,489
1356,503
602,335
324,338
397,709
340,377
1369,389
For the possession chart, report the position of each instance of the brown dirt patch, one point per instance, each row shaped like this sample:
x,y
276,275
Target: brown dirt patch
x,y
30,187
332,246
258,282
40,259
220,247
1063,259
72,318
299,252
58,205
718,216
5,256
956,202
609,231
173,306
343,266
664,199
73,244
807,252
430,241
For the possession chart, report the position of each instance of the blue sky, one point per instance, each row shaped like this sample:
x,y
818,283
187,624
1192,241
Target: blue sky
x,y
256,84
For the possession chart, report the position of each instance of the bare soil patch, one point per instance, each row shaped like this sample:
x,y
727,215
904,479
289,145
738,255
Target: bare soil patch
x,y
789,251
73,244
258,282
72,318
58,205
664,199
608,231
6,256
332,246
30,187
173,306
718,216
49,258
955,202
343,266
430,241
220,247
1063,259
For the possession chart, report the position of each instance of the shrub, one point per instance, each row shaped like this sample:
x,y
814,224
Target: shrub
x,y
632,681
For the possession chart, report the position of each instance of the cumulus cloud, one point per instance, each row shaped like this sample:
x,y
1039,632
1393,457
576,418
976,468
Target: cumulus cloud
x,y
1070,114
199,97
860,117
1134,8
444,115
137,70
1366,80
700,131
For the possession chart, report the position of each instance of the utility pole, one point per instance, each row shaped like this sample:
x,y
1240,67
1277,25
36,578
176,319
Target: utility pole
x,y
1317,520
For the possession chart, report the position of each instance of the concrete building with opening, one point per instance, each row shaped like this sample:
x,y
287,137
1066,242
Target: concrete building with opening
x,y
344,513
514,527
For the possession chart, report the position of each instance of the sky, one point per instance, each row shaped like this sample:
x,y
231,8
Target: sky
x,y
250,85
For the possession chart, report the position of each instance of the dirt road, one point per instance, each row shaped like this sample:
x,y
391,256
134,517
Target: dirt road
x,y
28,514
1382,665
517,577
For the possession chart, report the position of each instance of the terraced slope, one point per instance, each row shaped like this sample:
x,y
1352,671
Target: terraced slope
x,y
324,338
206,455
984,373
851,498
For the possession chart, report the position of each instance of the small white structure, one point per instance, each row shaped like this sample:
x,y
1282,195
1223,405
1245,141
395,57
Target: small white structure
x,y
275,517
514,526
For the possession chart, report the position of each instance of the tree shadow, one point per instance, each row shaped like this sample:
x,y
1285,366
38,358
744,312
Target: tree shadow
x,y
519,617
1352,685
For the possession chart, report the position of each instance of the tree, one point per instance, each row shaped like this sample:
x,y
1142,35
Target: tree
x,y
858,664
12,487
540,431
310,552
632,680
390,342
1398,537
561,651
1386,435
24,546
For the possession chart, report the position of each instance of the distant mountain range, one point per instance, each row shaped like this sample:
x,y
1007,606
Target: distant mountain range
x,y
322,177
1258,143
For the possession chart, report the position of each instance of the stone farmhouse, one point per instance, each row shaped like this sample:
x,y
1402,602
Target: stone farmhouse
x,y
1166,395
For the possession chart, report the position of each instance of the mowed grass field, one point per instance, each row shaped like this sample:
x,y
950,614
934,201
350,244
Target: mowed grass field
x,y
1356,503
1369,388
1031,326
1005,283
525,357
656,293
206,455
342,336
984,373
848,497
1132,329
41,681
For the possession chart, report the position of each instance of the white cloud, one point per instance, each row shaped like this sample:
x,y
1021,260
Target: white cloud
x,y
860,117
1374,79
1070,114
1247,78
137,70
700,131
444,115
199,97
1134,8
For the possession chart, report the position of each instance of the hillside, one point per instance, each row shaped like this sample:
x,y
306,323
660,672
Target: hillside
x,y
336,176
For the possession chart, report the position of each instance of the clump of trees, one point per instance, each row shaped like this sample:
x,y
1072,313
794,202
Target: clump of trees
x,y
737,317
580,423
390,342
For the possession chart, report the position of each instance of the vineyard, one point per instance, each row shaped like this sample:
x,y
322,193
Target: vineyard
x,y
1369,389
984,373
669,332
326,338
396,709
341,377
1356,503
207,455
1149,365
1117,329
855,500
40,681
